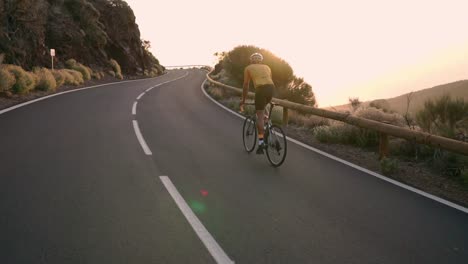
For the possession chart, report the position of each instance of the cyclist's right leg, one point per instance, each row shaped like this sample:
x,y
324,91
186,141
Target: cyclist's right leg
x,y
263,96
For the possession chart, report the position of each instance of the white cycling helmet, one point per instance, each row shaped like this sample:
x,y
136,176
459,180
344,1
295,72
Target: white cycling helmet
x,y
256,57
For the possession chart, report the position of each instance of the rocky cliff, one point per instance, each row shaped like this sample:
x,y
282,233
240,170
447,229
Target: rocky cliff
x,y
90,31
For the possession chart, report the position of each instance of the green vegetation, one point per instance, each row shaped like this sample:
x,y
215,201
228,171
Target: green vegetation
x,y
441,116
289,86
388,166
116,68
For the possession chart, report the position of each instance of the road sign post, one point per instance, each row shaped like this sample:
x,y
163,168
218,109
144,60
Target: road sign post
x,y
52,55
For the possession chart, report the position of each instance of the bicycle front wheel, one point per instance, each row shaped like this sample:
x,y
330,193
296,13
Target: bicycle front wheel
x,y
249,134
276,146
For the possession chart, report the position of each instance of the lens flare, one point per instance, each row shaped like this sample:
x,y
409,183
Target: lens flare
x,y
197,207
204,193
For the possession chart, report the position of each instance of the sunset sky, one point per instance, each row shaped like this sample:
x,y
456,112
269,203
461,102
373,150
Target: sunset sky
x,y
363,48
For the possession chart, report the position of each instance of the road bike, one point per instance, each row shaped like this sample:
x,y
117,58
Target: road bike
x,y
275,139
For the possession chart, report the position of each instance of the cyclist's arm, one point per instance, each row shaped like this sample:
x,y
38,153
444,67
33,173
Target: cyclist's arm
x,y
245,88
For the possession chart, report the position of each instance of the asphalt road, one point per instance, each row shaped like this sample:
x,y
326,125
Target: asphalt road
x,y
77,187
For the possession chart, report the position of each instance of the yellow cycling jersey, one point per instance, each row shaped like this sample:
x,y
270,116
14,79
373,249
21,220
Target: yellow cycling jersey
x,y
260,74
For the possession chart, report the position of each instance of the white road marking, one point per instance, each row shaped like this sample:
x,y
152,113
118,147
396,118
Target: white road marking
x,y
71,91
134,107
140,96
210,243
399,184
138,133
141,139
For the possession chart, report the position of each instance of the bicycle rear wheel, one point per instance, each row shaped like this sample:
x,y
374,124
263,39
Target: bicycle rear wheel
x,y
249,134
277,147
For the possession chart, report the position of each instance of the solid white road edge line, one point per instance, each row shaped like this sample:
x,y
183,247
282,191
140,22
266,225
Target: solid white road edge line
x,y
134,107
210,243
71,91
141,139
402,185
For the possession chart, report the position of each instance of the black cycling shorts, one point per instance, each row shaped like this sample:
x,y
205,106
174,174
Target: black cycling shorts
x,y
263,95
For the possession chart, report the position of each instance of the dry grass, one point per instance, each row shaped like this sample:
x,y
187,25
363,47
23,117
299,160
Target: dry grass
x,y
308,121
59,77
45,80
116,68
25,81
7,80
85,71
378,115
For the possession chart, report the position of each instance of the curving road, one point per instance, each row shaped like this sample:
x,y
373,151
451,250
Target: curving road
x,y
80,182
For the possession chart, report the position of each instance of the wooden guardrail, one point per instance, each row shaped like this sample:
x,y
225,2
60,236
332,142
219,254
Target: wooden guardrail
x,y
383,128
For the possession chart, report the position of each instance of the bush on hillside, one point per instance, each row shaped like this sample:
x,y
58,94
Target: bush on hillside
x,y
379,115
86,72
308,121
442,115
76,77
340,133
7,80
45,80
59,77
25,81
381,104
116,67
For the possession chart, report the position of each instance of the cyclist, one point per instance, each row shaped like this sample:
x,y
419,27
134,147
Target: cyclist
x,y
261,76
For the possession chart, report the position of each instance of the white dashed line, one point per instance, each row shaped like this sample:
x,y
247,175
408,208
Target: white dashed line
x,y
138,133
210,243
134,108
399,184
141,139
140,96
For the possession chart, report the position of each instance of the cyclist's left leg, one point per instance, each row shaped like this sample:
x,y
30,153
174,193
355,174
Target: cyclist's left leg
x,y
260,103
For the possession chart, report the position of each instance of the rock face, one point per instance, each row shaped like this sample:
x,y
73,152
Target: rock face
x,y
90,31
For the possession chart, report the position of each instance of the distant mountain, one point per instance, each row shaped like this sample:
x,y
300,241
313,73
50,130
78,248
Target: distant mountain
x,y
90,31
457,89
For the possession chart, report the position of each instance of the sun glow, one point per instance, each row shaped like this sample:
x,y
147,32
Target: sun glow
x,y
363,48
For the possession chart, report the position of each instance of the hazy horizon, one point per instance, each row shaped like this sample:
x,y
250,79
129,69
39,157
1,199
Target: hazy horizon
x,y
366,49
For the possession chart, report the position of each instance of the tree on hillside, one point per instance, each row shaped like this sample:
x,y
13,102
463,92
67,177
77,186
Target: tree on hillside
x,y
288,86
442,115
300,92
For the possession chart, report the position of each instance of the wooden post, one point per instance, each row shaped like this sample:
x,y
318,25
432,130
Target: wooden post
x,y
285,116
383,146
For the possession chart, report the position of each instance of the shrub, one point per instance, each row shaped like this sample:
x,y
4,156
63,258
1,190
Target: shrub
x,y
346,134
309,121
111,73
45,80
77,77
379,115
25,81
59,77
116,67
7,80
442,115
86,72
98,75
388,166
216,92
